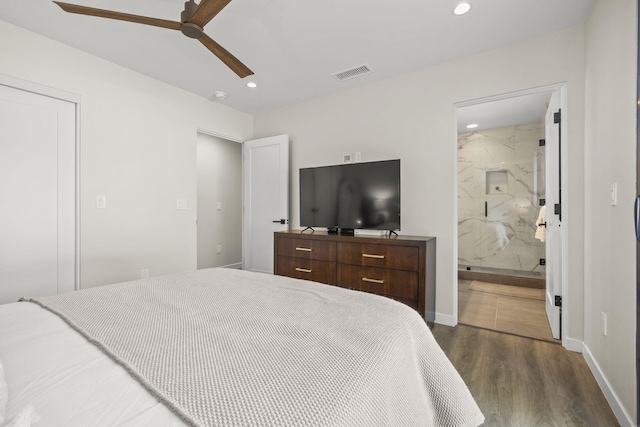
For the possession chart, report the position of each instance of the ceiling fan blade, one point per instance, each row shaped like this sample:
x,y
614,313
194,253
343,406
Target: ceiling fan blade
x,y
231,61
206,10
101,13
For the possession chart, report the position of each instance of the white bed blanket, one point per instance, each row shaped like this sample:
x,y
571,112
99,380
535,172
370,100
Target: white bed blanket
x,y
56,376
223,347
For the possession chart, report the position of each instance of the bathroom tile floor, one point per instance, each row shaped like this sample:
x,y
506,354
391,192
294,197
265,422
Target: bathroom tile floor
x,y
504,308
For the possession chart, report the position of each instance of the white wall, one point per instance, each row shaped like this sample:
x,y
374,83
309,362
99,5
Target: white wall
x,y
138,147
411,117
610,157
219,181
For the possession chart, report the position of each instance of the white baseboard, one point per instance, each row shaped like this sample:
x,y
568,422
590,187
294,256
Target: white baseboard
x,y
444,319
237,265
624,418
573,344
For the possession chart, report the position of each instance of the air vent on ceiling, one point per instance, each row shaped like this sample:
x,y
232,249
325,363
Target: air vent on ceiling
x,y
353,72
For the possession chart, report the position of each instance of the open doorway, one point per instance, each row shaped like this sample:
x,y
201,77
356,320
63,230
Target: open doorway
x,y
503,178
219,211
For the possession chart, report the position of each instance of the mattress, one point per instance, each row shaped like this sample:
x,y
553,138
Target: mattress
x,y
279,351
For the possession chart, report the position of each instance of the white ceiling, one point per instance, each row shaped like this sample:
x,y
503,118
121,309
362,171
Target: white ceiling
x,y
295,46
517,110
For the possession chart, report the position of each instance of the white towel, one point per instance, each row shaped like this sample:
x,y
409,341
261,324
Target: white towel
x,y
541,230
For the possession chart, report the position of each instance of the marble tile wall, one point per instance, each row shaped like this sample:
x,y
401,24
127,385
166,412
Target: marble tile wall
x,y
503,167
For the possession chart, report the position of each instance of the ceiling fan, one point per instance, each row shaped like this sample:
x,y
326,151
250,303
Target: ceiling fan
x,y
193,19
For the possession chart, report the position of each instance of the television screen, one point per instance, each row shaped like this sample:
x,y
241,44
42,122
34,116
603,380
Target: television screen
x,y
351,196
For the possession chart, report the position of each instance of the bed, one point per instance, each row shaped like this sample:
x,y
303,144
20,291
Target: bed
x,y
224,347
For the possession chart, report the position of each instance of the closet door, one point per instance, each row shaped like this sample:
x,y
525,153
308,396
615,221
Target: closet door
x,y
37,190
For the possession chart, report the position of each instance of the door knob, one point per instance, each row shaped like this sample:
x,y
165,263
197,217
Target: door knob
x,y
280,221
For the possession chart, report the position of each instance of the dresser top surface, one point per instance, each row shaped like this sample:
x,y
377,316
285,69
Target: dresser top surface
x,y
362,238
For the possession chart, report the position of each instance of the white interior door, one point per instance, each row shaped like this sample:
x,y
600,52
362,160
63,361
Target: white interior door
x,y
265,199
37,189
553,244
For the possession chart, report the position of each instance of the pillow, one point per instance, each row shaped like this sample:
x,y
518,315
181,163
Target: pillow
x,y
4,395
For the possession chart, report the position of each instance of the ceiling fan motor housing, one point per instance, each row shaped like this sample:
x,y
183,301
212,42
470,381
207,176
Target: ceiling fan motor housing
x,y
189,29
189,7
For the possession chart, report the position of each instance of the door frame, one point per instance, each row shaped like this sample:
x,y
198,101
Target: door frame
x,y
51,92
230,139
561,89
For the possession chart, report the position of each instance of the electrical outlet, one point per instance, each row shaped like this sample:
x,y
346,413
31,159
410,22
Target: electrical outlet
x,y
358,156
101,201
614,194
144,274
543,261
181,203
347,158
603,323
219,249
219,206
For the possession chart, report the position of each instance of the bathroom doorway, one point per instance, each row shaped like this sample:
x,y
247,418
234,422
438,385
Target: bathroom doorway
x,y
502,185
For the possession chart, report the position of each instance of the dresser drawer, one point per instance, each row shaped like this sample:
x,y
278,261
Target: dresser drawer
x,y
299,268
307,249
383,256
381,281
401,268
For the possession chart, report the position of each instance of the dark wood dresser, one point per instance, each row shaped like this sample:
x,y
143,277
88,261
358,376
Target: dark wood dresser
x,y
398,267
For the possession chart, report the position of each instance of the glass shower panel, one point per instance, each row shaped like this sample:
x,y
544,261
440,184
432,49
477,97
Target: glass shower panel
x,y
470,205
501,182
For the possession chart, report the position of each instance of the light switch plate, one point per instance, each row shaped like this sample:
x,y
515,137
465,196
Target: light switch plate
x,y
101,201
603,323
181,204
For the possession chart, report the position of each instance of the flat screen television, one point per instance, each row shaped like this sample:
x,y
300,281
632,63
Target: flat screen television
x,y
351,196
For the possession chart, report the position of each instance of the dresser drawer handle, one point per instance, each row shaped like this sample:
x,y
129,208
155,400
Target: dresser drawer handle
x,y
373,256
303,270
366,279
303,249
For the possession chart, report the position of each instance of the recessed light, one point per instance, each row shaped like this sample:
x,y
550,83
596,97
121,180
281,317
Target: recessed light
x,y
472,126
462,8
252,84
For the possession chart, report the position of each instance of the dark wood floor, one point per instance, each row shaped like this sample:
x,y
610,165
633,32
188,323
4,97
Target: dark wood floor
x,y
519,381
